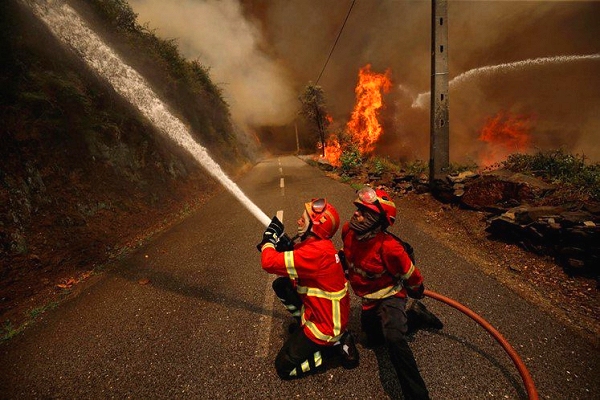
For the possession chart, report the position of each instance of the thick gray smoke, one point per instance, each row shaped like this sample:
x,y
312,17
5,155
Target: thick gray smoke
x,y
255,84
264,52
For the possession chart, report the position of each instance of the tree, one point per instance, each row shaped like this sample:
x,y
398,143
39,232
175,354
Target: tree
x,y
313,110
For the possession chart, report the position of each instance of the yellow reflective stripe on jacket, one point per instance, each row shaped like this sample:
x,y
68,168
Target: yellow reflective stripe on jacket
x,y
288,256
268,244
315,292
320,335
364,273
384,293
336,312
409,273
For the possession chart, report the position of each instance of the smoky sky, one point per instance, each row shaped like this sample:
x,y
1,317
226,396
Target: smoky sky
x,y
263,52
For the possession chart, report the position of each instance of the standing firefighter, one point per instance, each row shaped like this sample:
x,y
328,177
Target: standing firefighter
x,y
383,274
313,288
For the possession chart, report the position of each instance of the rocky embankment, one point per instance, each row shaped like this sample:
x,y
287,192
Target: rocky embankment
x,y
520,209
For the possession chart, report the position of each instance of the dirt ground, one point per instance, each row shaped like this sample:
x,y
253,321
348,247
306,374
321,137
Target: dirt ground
x,y
574,300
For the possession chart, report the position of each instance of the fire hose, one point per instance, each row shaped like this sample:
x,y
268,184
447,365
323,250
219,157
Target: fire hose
x,y
286,243
527,380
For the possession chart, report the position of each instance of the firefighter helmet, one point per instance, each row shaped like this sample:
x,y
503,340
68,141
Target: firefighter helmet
x,y
380,202
324,218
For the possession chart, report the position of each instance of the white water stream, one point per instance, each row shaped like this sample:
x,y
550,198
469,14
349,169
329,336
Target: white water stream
x,y
66,25
422,99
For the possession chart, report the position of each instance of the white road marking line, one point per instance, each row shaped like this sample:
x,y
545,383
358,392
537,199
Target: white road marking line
x,y
266,321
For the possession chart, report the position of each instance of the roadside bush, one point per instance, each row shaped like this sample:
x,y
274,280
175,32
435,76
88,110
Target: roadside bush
x,y
416,168
559,167
379,165
350,159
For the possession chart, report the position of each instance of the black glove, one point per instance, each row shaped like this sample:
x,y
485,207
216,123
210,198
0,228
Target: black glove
x,y
343,261
285,243
272,233
416,293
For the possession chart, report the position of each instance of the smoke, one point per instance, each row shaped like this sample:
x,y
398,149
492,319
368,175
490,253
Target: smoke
x,y
264,52
255,85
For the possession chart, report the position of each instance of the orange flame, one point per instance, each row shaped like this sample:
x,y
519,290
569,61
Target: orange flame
x,y
333,150
505,134
364,126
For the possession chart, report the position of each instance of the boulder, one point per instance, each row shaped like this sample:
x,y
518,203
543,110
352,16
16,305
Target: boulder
x,y
497,188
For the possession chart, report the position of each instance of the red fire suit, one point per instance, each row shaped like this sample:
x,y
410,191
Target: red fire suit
x,y
315,267
378,268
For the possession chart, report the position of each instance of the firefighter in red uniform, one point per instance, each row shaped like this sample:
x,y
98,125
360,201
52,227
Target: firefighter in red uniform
x,y
382,273
314,289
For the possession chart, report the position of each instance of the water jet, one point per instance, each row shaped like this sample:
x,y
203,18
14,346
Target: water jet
x,y
64,22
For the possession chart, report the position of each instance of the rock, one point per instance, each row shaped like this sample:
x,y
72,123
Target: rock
x,y
494,188
571,236
461,177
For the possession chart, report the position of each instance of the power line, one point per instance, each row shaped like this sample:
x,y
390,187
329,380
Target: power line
x,y
336,40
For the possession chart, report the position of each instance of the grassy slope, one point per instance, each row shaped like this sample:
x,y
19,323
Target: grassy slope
x,y
83,176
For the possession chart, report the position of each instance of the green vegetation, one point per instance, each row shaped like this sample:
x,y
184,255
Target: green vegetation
x,y
83,172
9,331
578,178
558,167
350,159
36,312
185,84
313,110
380,165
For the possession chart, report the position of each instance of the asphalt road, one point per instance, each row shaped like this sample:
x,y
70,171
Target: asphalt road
x,y
208,326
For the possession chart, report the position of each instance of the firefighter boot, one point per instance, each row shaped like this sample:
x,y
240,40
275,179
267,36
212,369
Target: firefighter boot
x,y
294,326
348,351
419,317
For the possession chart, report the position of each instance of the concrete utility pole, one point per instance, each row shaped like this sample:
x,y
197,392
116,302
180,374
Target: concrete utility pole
x,y
297,139
439,123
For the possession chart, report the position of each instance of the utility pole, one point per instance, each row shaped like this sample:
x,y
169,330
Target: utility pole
x,y
297,139
439,122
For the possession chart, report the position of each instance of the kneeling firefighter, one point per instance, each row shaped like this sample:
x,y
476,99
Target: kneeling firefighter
x,y
313,288
382,272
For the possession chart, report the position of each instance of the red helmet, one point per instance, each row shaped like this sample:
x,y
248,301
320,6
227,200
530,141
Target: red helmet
x,y
378,201
324,218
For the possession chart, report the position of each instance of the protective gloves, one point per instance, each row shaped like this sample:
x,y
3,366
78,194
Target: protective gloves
x,y
285,243
416,293
272,233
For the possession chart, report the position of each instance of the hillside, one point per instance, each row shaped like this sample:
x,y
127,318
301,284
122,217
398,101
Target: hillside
x,y
84,177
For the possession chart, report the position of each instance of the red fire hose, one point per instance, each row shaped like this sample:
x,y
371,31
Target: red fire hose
x,y
529,386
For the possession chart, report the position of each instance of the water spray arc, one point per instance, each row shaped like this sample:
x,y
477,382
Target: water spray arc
x,y
421,99
67,26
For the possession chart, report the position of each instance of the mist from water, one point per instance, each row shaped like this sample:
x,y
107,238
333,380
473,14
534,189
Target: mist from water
x,y
422,99
68,27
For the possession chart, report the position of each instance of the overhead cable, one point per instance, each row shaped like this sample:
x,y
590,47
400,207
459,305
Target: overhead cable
x,y
336,40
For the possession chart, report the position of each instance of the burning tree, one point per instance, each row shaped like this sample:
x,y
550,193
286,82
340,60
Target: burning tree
x,y
363,130
364,126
